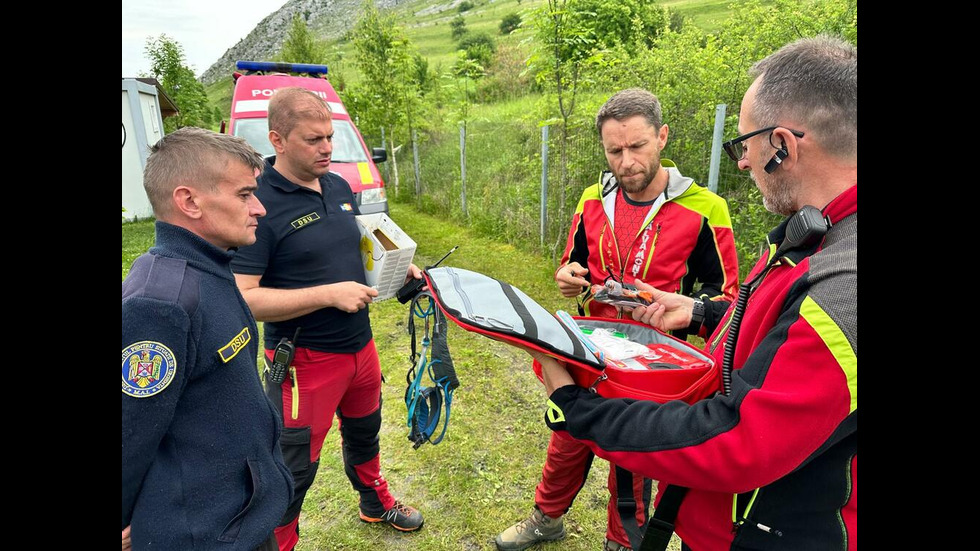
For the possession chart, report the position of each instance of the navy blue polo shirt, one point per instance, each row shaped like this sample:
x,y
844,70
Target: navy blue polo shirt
x,y
307,239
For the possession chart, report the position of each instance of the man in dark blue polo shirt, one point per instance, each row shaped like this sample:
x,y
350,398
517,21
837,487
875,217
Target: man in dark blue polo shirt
x,y
305,273
201,463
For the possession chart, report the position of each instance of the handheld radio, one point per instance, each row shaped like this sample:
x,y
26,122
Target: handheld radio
x,y
281,359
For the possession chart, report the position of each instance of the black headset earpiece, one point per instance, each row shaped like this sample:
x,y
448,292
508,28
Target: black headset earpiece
x,y
777,159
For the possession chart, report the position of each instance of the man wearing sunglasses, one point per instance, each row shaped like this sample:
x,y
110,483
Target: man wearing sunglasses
x,y
643,221
771,462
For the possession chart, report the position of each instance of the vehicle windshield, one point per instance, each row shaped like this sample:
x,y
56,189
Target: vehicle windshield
x,y
346,147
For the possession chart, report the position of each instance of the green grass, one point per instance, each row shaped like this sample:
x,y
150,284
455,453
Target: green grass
x,y
219,95
481,478
708,15
137,237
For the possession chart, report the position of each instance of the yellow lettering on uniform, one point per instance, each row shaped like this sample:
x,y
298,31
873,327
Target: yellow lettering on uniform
x,y
304,220
230,350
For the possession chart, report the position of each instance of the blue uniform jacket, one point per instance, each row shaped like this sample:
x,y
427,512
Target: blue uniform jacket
x,y
201,464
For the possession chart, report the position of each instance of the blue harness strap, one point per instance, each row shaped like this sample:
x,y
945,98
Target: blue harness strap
x,y
424,404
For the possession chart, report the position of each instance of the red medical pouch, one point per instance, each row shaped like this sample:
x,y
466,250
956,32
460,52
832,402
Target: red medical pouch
x,y
669,369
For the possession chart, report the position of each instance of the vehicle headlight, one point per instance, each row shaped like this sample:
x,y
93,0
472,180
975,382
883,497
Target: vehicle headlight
x,y
373,195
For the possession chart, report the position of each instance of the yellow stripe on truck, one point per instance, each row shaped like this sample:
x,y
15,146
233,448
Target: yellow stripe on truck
x,y
365,172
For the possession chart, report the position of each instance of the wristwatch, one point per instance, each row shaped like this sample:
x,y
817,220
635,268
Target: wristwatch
x,y
697,317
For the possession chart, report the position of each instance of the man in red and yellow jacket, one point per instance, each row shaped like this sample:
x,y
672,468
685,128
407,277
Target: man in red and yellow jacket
x,y
772,463
643,221
681,236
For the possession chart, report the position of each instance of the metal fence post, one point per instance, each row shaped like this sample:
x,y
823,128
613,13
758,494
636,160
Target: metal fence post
x,y
716,147
544,181
462,164
384,145
418,179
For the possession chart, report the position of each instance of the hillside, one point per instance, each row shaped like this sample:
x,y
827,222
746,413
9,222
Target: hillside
x,y
426,25
330,19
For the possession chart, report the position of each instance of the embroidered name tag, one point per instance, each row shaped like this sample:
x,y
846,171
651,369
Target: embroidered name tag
x,y
230,350
304,220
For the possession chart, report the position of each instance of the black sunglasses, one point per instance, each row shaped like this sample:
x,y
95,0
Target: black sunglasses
x,y
736,151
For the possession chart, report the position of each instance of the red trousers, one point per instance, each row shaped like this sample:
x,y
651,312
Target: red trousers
x,y
319,385
565,471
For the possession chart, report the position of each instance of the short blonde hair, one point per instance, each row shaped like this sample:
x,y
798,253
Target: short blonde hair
x,y
290,105
193,157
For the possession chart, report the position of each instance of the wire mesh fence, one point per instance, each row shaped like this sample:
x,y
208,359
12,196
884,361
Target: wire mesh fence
x,y
503,185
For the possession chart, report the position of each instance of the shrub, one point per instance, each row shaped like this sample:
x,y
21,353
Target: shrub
x,y
458,26
509,23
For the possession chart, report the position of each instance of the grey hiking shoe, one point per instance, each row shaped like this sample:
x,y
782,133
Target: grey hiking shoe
x,y
539,527
401,517
614,546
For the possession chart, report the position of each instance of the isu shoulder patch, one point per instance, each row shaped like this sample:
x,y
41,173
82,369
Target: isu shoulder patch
x,y
148,367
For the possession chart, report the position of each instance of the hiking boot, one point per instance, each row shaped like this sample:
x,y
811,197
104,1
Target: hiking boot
x,y
539,527
615,546
400,517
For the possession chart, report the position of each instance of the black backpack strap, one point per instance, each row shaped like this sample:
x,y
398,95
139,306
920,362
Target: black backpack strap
x,y
661,526
626,505
530,326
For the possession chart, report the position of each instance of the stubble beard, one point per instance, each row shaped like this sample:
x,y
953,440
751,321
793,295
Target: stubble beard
x,y
778,194
638,188
647,178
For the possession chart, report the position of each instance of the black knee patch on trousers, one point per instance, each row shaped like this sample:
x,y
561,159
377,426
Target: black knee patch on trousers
x,y
295,445
360,435
585,478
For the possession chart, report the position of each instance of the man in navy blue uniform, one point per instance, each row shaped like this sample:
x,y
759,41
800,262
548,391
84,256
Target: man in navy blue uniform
x,y
201,464
305,273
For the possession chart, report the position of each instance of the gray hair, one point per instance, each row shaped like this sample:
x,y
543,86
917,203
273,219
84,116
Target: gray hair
x,y
192,157
629,103
813,81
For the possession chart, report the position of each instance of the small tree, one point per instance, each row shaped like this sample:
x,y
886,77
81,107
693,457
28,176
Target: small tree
x,y
421,75
507,75
385,58
458,26
177,80
300,46
509,23
564,44
465,5
479,48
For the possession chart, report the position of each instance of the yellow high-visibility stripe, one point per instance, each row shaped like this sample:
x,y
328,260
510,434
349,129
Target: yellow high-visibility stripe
x,y
653,247
365,173
295,411
745,513
835,341
708,206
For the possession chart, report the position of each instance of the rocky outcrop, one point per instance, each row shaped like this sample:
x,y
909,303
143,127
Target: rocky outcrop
x,y
329,19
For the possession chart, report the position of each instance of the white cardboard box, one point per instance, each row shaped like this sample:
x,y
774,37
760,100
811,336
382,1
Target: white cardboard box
x,y
386,251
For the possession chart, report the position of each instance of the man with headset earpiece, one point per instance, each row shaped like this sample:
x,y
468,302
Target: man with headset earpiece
x,y
770,462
